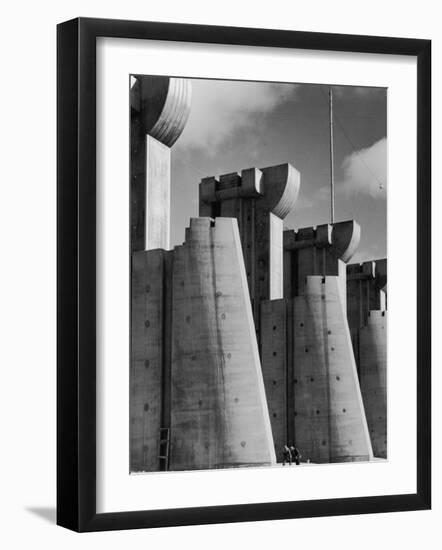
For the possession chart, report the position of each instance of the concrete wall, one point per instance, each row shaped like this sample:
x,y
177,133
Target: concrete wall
x,y
274,327
147,374
373,378
195,366
219,414
329,418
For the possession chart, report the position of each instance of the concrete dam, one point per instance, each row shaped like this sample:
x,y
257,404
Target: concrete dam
x,y
248,336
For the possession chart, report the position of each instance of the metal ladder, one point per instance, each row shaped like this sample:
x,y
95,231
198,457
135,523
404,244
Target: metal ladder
x,y
163,448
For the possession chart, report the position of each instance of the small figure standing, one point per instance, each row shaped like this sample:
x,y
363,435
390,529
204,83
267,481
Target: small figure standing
x,y
296,455
286,455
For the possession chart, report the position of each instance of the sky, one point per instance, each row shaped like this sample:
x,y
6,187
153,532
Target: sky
x,y
235,125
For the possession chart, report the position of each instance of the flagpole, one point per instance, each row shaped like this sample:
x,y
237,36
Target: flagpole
x,y
332,165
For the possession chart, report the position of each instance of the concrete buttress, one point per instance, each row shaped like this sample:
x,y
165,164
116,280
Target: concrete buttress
x,y
219,414
308,362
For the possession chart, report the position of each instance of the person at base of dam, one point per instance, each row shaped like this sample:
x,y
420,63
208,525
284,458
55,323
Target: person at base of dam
x,y
286,455
296,455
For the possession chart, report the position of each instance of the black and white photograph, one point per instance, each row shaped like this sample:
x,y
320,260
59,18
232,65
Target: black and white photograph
x,y
258,274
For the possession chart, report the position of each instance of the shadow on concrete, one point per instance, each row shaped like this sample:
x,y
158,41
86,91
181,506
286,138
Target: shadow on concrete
x,y
46,513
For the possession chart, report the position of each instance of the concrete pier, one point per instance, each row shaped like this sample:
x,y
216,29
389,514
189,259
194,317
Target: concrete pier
x,y
259,199
308,363
329,418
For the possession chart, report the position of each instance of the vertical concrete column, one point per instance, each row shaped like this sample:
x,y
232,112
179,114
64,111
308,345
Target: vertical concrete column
x,y
219,413
276,376
160,107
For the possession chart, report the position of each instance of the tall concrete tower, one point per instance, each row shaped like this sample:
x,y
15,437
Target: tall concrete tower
x,y
160,107
259,199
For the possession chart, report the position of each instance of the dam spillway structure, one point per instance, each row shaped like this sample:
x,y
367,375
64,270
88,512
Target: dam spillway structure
x,y
243,337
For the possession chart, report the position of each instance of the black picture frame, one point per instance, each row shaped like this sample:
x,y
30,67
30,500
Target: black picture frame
x,y
76,273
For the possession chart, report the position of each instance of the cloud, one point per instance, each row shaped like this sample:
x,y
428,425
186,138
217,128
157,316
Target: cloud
x,y
221,108
365,171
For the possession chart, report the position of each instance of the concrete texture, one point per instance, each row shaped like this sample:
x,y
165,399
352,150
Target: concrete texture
x,y
329,418
308,362
367,317
321,250
157,222
147,374
259,199
219,415
160,107
366,285
277,377
373,378
195,365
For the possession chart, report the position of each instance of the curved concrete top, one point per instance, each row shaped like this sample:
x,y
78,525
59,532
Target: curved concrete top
x,y
280,186
342,237
164,105
345,238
